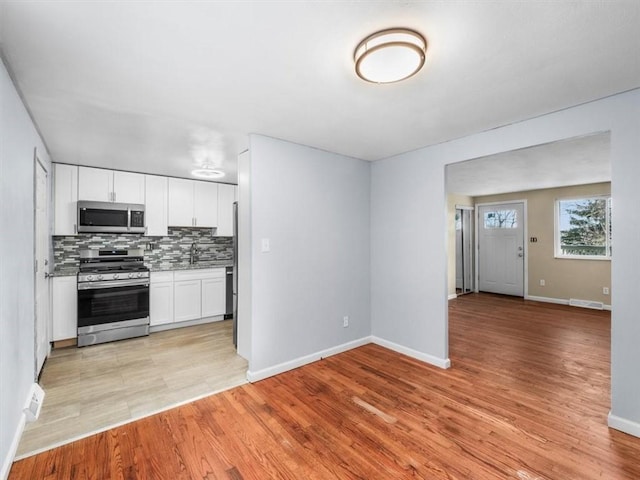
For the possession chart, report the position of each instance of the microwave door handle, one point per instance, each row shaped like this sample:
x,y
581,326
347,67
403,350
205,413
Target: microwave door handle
x,y
128,218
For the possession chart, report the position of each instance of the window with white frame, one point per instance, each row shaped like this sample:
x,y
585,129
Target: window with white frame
x,y
583,227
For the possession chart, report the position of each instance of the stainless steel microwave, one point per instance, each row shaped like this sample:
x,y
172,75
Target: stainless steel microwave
x,y
107,217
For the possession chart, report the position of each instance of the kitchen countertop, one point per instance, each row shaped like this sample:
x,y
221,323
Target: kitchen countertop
x,y
190,266
64,272
163,267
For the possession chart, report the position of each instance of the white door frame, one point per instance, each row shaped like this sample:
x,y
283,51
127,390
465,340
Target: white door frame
x,y
37,163
475,235
525,233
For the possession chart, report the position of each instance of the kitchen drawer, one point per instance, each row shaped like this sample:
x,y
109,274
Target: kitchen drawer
x,y
198,274
157,277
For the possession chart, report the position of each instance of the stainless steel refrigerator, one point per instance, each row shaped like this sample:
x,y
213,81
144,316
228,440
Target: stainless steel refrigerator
x,y
235,274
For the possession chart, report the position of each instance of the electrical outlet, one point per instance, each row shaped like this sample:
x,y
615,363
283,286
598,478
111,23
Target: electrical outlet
x,y
605,290
345,321
542,282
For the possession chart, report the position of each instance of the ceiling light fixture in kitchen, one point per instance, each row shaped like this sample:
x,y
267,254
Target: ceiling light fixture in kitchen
x,y
207,171
390,55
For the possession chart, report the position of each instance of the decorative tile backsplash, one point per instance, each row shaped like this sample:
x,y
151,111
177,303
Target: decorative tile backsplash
x,y
159,251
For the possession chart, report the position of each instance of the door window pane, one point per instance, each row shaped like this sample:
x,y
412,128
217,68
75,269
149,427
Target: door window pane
x,y
501,219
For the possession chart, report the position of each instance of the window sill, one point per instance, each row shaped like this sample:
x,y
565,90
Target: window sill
x,y
581,257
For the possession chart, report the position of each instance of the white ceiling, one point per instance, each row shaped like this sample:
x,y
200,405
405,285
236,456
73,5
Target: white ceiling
x,y
147,86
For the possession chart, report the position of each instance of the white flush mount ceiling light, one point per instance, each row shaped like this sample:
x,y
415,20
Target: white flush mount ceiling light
x,y
207,171
390,55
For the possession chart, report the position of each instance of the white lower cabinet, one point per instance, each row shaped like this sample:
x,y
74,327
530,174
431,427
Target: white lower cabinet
x,y
64,316
187,296
213,296
161,298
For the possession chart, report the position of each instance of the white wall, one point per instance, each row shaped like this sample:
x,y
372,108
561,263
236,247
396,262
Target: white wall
x,y
408,274
313,206
244,256
408,281
18,138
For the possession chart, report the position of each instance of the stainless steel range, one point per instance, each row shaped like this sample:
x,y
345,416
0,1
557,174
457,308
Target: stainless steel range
x,y
113,296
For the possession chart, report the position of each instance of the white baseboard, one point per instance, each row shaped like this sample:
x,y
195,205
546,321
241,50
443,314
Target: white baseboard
x,y
424,357
452,296
559,301
8,460
188,323
624,425
254,376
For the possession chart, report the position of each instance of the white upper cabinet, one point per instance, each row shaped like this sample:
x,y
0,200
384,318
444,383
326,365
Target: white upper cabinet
x,y
128,187
65,196
156,205
205,205
192,203
180,202
226,197
100,185
95,184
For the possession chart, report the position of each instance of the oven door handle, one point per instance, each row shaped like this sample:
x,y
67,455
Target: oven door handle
x,y
113,284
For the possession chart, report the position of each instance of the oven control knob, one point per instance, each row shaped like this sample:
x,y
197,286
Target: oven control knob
x,y
131,275
139,274
116,276
90,278
99,277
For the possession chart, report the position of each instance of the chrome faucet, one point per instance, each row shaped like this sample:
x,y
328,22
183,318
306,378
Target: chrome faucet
x,y
193,253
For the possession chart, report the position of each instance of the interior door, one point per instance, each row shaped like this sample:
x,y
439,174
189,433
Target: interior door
x,y
42,268
501,248
464,250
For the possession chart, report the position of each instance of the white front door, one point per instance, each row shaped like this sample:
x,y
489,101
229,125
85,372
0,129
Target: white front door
x,y
42,270
501,248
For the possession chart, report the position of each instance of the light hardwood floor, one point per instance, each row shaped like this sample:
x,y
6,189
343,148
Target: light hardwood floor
x,y
93,388
526,399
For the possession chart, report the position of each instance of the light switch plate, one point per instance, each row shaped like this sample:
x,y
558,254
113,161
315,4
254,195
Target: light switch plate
x,y
265,245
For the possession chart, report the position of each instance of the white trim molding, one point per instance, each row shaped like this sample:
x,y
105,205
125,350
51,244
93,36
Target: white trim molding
x,y
13,448
254,376
424,357
188,323
452,296
624,425
559,301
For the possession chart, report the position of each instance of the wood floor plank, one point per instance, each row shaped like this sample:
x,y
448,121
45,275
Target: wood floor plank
x,y
526,398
